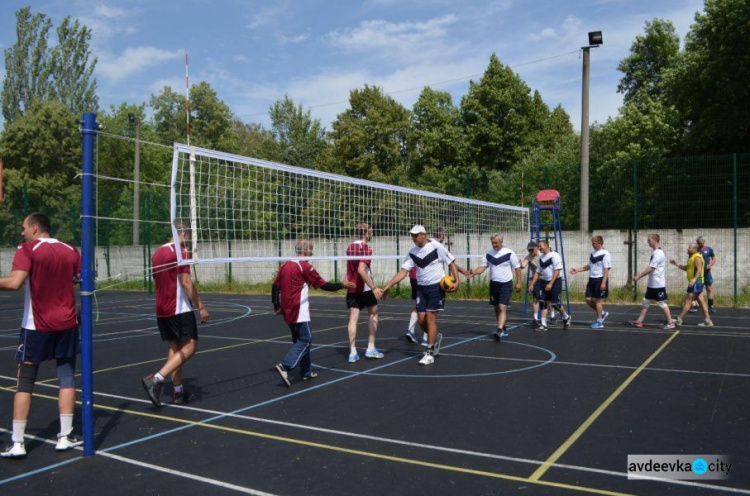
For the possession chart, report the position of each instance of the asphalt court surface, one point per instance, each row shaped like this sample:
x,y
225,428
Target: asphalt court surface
x,y
552,412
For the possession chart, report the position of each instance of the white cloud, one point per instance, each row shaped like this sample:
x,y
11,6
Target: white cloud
x,y
544,33
292,39
109,12
134,60
268,16
383,34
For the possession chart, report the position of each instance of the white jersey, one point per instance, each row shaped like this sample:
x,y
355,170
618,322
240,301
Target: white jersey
x,y
548,264
429,261
598,261
657,277
502,263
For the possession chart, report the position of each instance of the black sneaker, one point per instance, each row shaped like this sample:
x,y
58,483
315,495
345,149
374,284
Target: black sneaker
x,y
153,389
541,328
566,322
182,397
312,375
64,443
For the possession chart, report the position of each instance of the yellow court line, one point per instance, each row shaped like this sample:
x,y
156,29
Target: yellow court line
x,y
582,428
201,352
349,451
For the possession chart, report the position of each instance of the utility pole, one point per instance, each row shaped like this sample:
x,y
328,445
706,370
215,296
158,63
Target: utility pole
x,y
595,39
136,180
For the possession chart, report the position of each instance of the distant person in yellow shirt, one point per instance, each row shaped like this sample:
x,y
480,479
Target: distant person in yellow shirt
x,y
694,269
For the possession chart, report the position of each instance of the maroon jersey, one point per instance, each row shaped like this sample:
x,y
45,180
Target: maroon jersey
x,y
171,298
358,249
294,280
49,300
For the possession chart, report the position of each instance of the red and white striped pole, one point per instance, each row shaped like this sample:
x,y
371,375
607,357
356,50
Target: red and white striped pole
x,y
187,100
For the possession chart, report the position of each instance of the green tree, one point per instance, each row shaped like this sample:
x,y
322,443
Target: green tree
x,y
35,72
498,113
72,81
211,120
436,144
27,66
42,150
650,56
369,139
299,137
709,80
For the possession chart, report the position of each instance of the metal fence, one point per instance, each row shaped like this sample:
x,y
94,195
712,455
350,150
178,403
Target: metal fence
x,y
678,198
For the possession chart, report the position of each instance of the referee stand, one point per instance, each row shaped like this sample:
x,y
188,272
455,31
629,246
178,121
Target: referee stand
x,y
545,217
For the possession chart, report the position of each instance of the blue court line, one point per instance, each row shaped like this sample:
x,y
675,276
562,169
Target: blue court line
x,y
241,410
286,396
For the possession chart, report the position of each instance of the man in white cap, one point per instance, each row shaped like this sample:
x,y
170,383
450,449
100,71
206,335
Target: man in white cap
x,y
428,256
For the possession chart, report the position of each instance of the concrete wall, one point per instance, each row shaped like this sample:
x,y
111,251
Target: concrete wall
x,y
126,262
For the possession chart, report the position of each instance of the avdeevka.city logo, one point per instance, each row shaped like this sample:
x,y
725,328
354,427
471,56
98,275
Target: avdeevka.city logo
x,y
682,467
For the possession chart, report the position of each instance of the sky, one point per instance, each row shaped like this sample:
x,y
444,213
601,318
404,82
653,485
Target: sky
x,y
253,52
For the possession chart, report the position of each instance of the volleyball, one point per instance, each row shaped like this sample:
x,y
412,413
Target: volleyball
x,y
447,283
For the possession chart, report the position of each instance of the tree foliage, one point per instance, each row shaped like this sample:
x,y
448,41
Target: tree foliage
x,y
650,56
369,138
299,137
709,81
37,73
42,156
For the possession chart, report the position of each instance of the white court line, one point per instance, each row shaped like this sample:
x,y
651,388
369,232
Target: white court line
x,y
397,441
151,466
599,365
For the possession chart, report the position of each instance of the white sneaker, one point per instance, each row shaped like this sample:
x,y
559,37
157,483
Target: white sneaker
x,y
427,359
15,450
70,441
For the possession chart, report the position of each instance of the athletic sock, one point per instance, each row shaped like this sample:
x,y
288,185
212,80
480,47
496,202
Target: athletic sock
x,y
178,388
413,321
158,377
19,428
66,424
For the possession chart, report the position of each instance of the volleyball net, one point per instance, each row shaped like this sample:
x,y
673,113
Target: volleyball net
x,y
241,209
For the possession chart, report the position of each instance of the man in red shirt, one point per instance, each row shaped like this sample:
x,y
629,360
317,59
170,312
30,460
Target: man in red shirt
x,y
290,297
49,328
174,315
363,295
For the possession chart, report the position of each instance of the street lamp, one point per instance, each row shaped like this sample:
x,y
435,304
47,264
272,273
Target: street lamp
x,y
595,39
136,179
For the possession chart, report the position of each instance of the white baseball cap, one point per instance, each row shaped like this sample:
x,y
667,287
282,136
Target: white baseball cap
x,y
418,230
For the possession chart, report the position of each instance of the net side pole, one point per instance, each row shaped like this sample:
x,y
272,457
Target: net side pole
x,y
193,209
87,282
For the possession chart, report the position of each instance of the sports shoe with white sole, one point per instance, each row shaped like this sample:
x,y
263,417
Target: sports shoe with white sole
x,y
373,353
283,374
14,450
411,337
153,389
427,359
70,441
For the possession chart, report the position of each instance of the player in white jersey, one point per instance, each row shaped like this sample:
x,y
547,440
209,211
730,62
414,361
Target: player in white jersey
x,y
428,256
657,283
548,285
502,263
597,289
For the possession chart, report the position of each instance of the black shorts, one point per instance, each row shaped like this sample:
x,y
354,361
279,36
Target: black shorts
x,y
594,289
430,298
413,283
656,294
179,328
361,300
552,296
39,346
500,293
